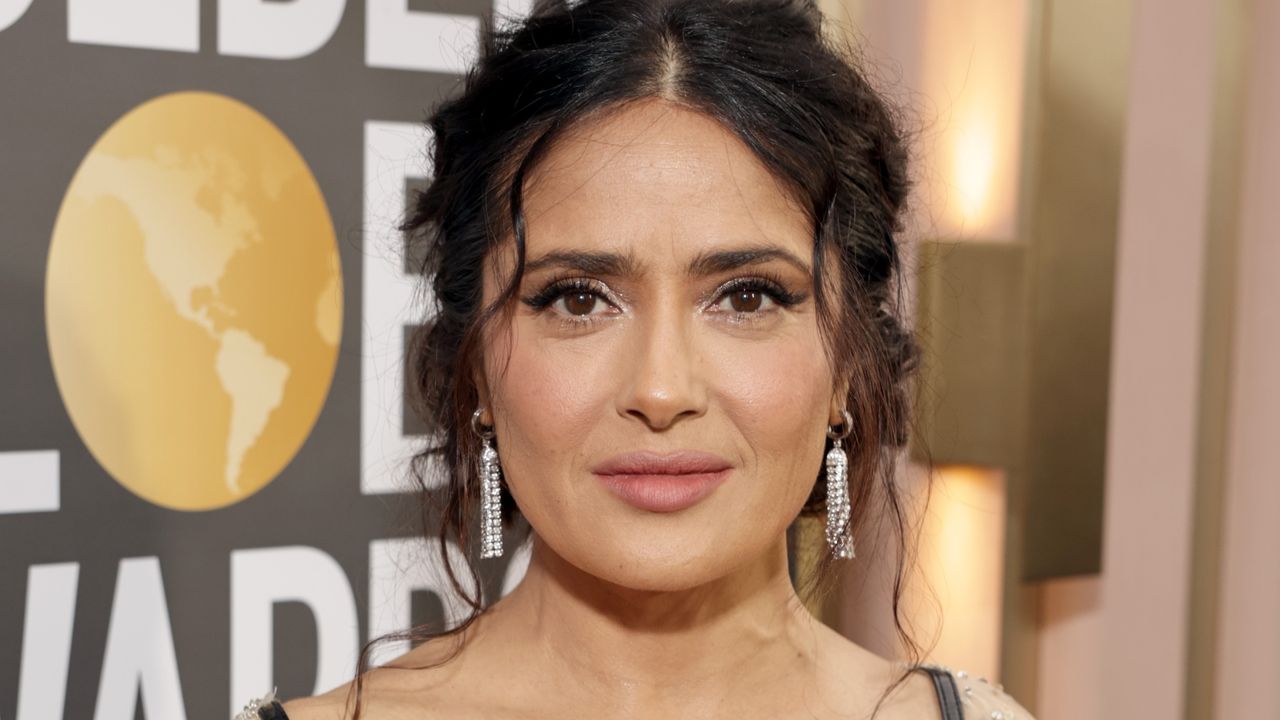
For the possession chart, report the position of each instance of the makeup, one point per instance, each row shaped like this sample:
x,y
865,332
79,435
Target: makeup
x,y
663,483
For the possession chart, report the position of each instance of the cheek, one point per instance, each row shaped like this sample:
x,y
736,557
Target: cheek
x,y
548,401
776,393
776,396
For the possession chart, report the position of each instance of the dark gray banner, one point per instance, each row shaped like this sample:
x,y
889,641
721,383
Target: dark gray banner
x,y
203,439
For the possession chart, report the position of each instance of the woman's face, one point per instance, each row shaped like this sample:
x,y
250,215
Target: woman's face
x,y
667,307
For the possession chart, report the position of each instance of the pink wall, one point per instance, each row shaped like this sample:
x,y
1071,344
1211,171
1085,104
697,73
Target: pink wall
x,y
1155,373
1249,628
1116,645
1069,675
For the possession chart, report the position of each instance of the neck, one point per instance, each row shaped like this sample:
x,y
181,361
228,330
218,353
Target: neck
x,y
645,644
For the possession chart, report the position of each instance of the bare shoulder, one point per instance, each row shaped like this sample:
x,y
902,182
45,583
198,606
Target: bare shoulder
x,y
333,705
866,674
984,699
862,683
382,696
419,685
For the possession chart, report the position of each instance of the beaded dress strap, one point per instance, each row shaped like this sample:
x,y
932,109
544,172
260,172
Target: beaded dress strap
x,y
961,695
265,708
948,695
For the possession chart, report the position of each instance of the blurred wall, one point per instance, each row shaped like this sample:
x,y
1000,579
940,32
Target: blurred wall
x,y
1152,123
1247,657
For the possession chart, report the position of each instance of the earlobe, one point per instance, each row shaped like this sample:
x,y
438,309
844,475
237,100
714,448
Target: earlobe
x,y
482,393
839,404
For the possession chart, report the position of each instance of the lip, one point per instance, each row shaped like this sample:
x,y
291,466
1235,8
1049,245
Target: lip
x,y
663,483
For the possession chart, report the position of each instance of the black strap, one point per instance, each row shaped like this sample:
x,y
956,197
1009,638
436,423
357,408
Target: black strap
x,y
272,712
948,695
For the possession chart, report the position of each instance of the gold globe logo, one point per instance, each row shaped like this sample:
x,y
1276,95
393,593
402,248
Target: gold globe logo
x,y
193,301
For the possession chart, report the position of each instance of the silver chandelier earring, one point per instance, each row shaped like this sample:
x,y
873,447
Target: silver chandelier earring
x,y
490,492
838,538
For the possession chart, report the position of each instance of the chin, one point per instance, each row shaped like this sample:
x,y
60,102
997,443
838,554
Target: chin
x,y
676,564
665,577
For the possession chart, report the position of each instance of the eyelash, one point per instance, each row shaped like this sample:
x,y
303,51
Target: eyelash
x,y
766,283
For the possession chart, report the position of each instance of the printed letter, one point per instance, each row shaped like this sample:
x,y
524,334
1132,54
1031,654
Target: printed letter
x,y
273,29
29,481
396,37
11,10
397,568
152,24
393,154
140,650
260,579
46,643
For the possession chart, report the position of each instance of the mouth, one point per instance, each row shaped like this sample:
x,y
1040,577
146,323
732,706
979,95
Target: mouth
x,y
663,483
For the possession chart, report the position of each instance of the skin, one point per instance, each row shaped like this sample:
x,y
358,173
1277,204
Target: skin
x,y
625,613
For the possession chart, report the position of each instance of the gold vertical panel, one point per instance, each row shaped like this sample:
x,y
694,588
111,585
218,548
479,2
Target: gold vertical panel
x,y
1231,47
1074,216
972,323
971,319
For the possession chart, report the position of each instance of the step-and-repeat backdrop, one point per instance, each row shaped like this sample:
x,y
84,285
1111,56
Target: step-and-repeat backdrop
x,y
203,439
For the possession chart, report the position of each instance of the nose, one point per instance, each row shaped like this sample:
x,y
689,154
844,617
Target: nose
x,y
663,371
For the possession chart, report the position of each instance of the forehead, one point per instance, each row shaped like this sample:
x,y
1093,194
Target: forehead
x,y
657,178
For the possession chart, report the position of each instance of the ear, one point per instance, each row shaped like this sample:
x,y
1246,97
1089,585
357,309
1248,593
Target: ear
x,y
839,402
482,393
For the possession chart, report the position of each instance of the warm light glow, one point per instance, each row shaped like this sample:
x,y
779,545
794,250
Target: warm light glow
x,y
962,558
972,74
975,159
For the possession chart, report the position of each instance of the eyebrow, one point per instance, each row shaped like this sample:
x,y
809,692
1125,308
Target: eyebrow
x,y
704,264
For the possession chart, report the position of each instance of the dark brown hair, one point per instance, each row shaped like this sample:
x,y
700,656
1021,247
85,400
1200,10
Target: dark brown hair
x,y
767,73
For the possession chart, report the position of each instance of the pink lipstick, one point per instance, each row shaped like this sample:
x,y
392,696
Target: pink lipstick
x,y
663,483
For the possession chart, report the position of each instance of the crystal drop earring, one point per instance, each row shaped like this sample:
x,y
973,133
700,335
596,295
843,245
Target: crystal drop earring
x,y
490,492
838,538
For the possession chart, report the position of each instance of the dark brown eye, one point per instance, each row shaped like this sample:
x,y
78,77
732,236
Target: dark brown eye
x,y
573,300
579,303
746,300
754,298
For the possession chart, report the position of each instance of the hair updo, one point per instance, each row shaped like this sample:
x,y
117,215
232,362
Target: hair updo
x,y
764,70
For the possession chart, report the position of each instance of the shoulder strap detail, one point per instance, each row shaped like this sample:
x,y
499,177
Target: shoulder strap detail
x,y
948,695
272,712
264,708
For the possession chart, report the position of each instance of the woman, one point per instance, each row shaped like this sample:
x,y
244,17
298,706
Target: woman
x,y
661,236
